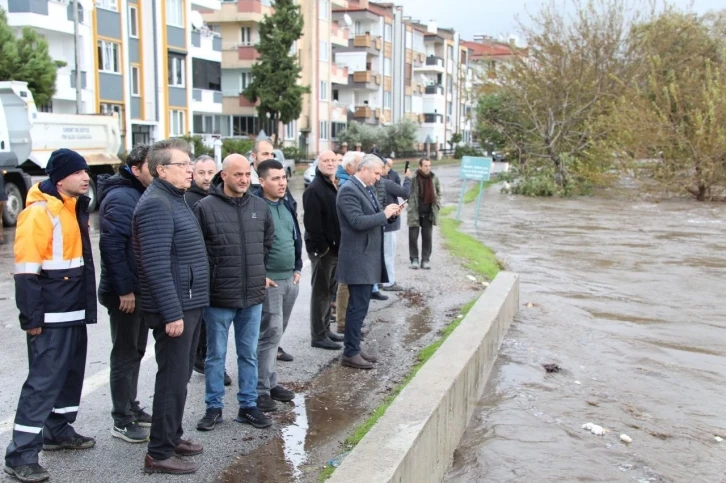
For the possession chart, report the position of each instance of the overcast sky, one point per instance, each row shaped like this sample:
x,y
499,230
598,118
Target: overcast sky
x,y
495,17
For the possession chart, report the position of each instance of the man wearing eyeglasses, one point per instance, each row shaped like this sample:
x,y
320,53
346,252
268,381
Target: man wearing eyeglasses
x,y
174,284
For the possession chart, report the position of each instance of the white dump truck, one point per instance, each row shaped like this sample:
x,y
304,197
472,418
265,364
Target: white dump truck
x,y
28,137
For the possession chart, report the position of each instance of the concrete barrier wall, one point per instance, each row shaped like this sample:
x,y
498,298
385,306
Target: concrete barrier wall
x,y
416,438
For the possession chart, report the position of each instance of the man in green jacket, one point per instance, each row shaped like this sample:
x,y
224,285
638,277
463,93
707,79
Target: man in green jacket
x,y
423,213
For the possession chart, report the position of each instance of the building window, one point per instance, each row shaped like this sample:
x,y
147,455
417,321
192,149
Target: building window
x,y
386,100
323,91
359,28
206,74
135,81
244,80
108,57
46,107
336,128
133,22
450,108
450,52
176,123
336,94
386,66
174,13
323,130
388,32
324,9
245,36
290,131
107,5
324,54
109,109
176,70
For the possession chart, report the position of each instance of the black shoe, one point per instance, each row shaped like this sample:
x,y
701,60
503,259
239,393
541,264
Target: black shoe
x,y
279,393
131,433
227,379
31,473
392,288
335,337
378,296
326,344
142,418
210,419
265,403
253,417
283,356
76,442
199,365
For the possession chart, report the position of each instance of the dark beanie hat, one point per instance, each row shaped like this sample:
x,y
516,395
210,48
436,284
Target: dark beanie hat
x,y
64,162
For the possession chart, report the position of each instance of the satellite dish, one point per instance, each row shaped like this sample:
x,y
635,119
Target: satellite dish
x,y
348,21
196,19
351,107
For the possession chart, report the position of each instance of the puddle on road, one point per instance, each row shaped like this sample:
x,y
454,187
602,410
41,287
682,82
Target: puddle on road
x,y
320,415
419,324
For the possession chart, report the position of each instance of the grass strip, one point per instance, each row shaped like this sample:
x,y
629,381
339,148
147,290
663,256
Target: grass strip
x,y
476,257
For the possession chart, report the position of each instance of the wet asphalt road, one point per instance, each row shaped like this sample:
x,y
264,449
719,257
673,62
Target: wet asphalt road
x,y
305,434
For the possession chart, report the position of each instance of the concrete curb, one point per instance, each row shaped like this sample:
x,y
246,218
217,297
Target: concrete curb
x,y
416,438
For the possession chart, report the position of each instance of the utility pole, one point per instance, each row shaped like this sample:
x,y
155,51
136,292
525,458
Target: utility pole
x,y
77,48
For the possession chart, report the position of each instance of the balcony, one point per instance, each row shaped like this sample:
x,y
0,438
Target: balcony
x,y
432,64
240,11
206,4
387,83
339,74
65,84
206,45
409,56
240,57
365,79
434,90
45,16
339,3
388,50
371,44
207,101
339,114
362,112
433,119
339,35
244,102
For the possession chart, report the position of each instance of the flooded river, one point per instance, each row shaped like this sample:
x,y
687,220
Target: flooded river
x,y
627,297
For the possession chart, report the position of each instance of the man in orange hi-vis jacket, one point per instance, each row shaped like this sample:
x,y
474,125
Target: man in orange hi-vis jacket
x,y
55,289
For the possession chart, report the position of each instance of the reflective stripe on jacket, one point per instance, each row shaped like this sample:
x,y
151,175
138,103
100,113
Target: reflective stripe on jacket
x,y
54,273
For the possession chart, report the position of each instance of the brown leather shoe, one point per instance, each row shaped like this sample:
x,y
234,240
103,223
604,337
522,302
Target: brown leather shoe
x,y
187,448
356,362
368,357
173,466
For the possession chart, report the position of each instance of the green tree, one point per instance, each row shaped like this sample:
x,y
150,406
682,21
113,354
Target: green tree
x,y
364,134
399,137
9,59
455,139
276,73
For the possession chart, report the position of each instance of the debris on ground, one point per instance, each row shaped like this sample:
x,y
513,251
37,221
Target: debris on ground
x,y
718,439
578,382
530,305
335,462
625,438
594,429
414,298
471,277
485,284
551,367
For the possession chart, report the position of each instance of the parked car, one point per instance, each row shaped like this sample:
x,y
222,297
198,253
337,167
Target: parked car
x,y
288,164
309,174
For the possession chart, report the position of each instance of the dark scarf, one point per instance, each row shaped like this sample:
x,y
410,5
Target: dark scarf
x,y
426,187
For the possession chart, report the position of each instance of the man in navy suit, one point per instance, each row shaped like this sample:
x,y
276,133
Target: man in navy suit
x,y
360,257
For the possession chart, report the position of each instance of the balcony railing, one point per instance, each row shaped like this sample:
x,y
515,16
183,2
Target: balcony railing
x,y
434,118
435,61
435,89
362,112
363,41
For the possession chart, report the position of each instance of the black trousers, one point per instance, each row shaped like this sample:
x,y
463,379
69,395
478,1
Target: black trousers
x,y
324,286
202,344
358,303
51,394
175,360
426,229
129,336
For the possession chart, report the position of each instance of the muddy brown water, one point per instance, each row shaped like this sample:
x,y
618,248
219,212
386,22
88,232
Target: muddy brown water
x,y
627,297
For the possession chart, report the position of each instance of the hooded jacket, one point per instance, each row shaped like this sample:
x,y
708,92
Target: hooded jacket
x,y
322,229
238,234
55,282
118,196
194,194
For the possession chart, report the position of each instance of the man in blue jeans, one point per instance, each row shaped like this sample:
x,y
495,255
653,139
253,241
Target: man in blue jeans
x,y
238,233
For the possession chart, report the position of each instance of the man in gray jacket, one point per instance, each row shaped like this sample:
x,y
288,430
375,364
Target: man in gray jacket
x,y
238,232
360,257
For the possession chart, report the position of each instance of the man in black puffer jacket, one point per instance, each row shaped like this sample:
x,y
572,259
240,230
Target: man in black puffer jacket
x,y
119,290
174,284
238,232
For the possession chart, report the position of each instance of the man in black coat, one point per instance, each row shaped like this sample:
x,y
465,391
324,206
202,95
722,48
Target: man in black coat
x,y
119,289
322,239
238,231
174,283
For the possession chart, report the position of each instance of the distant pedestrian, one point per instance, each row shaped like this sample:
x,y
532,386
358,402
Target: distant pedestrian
x,y
174,285
55,289
238,233
361,262
322,239
284,267
423,213
119,290
205,169
388,191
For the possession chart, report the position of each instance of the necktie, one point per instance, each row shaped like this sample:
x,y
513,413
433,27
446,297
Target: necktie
x,y
373,198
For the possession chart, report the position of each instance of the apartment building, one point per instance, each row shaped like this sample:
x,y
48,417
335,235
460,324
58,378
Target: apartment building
x,y
142,59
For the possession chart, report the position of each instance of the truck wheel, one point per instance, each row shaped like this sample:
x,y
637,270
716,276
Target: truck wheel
x,y
14,204
92,193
